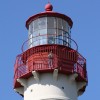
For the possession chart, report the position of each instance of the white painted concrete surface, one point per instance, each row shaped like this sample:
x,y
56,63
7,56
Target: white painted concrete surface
x,y
49,88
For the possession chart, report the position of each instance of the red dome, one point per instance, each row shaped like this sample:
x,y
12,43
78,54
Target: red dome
x,y
48,7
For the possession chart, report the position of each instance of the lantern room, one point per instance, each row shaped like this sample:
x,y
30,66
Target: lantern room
x,y
49,28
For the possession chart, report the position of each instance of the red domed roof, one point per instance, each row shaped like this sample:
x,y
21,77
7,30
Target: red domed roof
x,y
49,13
48,7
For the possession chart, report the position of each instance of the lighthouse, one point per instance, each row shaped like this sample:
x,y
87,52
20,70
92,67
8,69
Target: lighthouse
x,y
50,66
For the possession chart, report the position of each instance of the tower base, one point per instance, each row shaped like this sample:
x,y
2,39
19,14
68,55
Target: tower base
x,y
50,88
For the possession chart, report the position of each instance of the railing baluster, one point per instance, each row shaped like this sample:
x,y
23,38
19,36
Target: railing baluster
x,y
40,62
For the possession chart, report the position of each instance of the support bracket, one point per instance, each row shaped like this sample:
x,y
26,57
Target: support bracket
x,y
55,74
20,90
36,75
73,76
23,82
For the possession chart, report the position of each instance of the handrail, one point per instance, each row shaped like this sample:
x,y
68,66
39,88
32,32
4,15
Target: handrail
x,y
41,66
26,42
19,65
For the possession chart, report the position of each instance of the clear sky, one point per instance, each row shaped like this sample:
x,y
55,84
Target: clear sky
x,y
86,31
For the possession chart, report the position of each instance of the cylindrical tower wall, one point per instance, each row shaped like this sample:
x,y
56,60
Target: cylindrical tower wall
x,y
50,89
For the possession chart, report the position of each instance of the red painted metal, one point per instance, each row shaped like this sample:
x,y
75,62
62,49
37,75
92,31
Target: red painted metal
x,y
48,7
65,59
49,14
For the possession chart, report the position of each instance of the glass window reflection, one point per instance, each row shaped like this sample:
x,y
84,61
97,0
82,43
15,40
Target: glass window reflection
x,y
42,22
36,25
51,40
43,32
59,23
43,39
49,30
51,22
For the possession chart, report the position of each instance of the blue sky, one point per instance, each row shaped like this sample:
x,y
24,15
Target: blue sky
x,y
86,32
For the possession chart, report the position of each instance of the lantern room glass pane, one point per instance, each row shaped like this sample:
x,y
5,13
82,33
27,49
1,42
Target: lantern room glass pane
x,y
35,41
51,22
51,31
51,40
35,33
43,40
35,26
59,40
42,22
30,40
69,40
59,23
30,36
65,38
67,26
31,28
60,32
43,32
64,25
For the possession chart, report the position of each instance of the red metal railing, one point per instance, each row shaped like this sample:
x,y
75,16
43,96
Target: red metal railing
x,y
26,44
65,59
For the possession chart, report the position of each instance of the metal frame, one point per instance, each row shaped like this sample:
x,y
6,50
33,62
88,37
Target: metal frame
x,y
36,59
25,44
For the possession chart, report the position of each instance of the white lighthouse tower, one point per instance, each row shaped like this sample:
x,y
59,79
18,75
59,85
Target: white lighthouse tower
x,y
50,67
